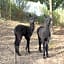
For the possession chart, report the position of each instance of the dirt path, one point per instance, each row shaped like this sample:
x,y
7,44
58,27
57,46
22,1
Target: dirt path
x,y
7,54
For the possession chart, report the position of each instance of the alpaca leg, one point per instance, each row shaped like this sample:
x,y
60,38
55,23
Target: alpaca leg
x,y
47,49
27,46
17,43
44,49
17,48
28,42
39,44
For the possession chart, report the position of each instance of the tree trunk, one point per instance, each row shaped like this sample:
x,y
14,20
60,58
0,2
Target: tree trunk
x,y
51,15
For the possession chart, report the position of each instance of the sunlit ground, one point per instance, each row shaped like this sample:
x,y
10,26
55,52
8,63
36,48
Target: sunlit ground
x,y
7,54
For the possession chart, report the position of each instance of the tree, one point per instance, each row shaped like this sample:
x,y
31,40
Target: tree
x,y
21,3
55,3
5,7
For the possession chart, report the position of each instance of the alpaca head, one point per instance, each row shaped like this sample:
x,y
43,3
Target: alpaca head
x,y
47,21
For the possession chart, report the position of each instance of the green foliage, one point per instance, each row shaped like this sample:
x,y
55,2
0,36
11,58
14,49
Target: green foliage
x,y
40,19
5,8
55,3
10,10
16,13
56,18
61,12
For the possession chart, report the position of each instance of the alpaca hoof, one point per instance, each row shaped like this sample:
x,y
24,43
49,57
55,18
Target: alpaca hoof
x,y
18,54
48,56
44,57
29,52
40,51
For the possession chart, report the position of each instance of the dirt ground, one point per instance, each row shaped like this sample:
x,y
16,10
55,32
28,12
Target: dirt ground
x,y
8,56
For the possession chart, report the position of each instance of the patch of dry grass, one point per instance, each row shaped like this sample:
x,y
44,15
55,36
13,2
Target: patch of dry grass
x,y
7,54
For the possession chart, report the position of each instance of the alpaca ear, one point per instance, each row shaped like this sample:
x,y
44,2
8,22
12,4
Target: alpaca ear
x,y
31,20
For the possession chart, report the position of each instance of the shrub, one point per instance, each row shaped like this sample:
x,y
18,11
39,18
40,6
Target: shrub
x,y
56,18
40,19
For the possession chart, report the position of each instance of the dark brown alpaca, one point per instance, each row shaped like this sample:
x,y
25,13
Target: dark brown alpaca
x,y
25,31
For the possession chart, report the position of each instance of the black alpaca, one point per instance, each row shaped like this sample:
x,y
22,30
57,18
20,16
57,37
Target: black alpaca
x,y
44,34
25,31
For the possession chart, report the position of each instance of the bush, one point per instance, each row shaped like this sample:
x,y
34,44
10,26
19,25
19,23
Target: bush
x,y
40,19
56,18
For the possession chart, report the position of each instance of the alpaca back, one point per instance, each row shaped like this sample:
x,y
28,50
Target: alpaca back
x,y
25,30
43,32
21,29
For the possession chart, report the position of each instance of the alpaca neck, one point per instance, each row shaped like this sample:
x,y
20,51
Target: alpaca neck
x,y
32,27
47,28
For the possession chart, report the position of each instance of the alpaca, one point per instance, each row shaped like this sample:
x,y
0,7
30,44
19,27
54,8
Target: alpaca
x,y
44,34
25,31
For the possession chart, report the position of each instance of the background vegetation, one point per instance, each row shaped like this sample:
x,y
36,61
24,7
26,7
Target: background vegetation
x,y
9,9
